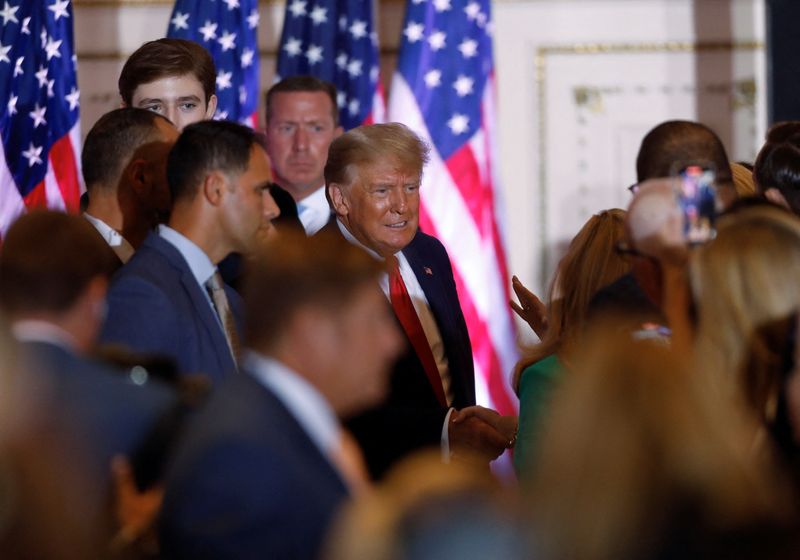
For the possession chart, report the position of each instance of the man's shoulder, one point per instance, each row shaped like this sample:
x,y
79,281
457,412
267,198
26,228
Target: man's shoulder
x,y
244,418
423,240
239,405
96,392
156,262
425,246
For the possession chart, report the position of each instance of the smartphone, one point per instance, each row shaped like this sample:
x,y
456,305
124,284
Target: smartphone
x,y
696,193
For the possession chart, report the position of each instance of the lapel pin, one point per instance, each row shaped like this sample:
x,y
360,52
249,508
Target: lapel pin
x,y
428,271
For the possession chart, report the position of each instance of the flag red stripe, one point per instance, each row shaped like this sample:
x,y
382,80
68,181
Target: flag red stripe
x,y
62,160
478,198
483,348
37,198
466,175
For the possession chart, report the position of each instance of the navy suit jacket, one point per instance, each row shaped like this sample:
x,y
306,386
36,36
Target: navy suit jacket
x,y
98,411
411,417
156,306
247,482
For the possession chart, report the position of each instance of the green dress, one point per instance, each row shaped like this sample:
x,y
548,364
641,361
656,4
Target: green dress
x,y
536,386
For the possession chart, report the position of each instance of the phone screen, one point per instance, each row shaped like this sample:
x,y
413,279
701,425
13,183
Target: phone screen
x,y
696,195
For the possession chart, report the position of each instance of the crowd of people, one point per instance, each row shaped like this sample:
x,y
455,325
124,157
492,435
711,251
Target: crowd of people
x,y
245,347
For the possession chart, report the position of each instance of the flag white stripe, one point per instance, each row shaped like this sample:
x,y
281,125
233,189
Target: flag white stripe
x,y
11,203
75,140
473,256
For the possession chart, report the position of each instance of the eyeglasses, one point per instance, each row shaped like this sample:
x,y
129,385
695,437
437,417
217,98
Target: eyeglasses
x,y
623,248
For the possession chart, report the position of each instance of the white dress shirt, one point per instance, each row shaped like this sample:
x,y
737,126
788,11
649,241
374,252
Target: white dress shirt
x,y
314,211
118,244
426,319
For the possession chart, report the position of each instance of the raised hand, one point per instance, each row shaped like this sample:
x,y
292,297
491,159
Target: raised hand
x,y
530,308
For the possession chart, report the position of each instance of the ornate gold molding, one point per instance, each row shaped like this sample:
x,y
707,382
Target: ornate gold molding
x,y
745,95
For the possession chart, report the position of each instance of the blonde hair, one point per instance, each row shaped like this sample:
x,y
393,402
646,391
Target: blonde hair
x,y
591,263
632,445
743,181
370,144
744,278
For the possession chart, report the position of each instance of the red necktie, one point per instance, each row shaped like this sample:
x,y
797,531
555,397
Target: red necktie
x,y
407,315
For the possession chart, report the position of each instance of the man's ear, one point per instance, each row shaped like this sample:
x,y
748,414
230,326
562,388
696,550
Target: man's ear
x,y
214,186
139,177
211,107
338,199
774,195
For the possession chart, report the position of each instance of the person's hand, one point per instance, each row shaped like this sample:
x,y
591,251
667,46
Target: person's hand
x,y
135,510
530,308
506,425
470,435
655,224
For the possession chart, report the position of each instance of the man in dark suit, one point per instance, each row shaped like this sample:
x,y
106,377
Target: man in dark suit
x,y
373,177
53,280
169,299
266,464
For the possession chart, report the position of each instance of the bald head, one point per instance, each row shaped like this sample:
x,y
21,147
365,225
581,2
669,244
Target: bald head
x,y
680,142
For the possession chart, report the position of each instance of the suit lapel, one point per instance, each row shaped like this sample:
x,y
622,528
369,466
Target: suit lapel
x,y
433,277
206,316
429,278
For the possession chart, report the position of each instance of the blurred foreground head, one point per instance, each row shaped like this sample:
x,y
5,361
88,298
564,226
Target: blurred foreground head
x,y
314,304
744,278
48,259
427,510
637,459
54,267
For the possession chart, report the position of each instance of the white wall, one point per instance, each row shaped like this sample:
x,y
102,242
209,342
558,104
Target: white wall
x,y
608,71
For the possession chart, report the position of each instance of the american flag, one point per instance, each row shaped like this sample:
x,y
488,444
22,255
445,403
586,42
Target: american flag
x,y
39,125
334,40
228,30
444,90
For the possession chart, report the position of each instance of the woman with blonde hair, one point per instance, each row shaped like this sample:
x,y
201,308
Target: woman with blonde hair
x,y
639,461
592,261
746,277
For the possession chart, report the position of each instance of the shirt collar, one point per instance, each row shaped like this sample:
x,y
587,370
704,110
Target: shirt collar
x,y
300,397
35,330
201,266
351,239
119,244
314,211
